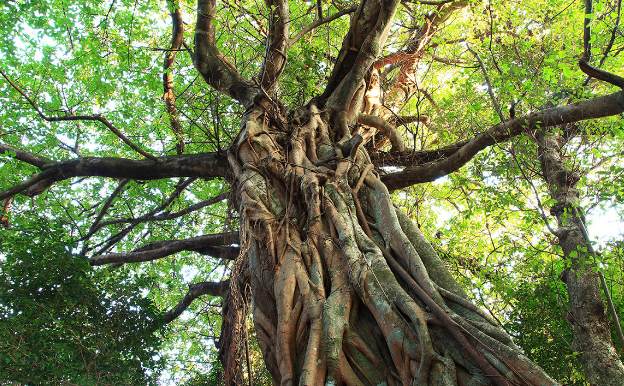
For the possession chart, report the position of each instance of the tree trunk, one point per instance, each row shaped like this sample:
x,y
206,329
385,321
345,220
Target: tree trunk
x,y
587,311
345,289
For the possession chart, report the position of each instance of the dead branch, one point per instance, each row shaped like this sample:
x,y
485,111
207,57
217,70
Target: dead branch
x,y
4,211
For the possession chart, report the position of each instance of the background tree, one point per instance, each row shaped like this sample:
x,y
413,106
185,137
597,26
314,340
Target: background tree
x,y
303,119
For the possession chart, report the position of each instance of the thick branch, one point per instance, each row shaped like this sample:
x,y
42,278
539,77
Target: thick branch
x,y
362,24
159,249
410,157
203,165
371,48
216,69
195,291
317,23
605,106
226,253
24,156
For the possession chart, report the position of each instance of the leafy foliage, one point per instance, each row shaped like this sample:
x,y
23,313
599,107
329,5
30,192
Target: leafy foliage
x,y
61,322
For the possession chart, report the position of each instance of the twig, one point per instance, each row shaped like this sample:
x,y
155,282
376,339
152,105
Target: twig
x,y
318,22
613,33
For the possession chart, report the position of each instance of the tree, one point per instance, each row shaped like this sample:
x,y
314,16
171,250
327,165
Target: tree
x,y
311,138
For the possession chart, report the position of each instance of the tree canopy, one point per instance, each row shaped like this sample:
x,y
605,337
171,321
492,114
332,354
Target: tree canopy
x,y
168,168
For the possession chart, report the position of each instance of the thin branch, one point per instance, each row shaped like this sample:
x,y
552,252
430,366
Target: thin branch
x,y
97,118
616,320
107,205
168,216
613,35
110,242
159,249
487,82
317,23
537,198
604,106
195,291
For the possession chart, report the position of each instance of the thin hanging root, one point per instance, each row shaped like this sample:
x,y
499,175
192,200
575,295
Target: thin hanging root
x,y
365,172
465,303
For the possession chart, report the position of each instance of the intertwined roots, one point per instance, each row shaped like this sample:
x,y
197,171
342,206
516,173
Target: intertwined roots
x,y
345,289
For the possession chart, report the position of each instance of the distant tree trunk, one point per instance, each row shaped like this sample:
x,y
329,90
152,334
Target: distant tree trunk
x,y
345,288
587,311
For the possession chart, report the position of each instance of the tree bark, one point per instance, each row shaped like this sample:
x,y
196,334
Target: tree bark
x,y
344,288
587,311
